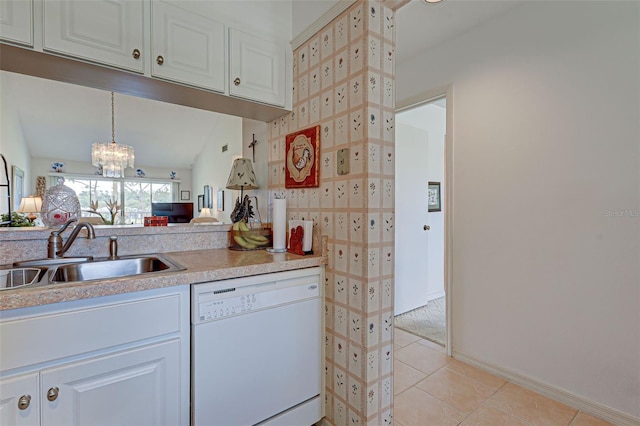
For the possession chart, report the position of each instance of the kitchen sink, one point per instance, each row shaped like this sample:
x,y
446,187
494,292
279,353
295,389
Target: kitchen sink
x,y
19,277
105,269
47,263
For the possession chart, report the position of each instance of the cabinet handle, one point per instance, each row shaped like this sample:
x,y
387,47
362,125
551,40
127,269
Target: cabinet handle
x,y
24,401
426,227
236,81
160,60
136,54
52,394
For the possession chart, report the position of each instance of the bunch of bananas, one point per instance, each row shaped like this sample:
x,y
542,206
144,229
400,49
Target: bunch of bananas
x,y
248,240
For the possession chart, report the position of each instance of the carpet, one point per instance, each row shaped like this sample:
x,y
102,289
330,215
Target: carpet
x,y
428,322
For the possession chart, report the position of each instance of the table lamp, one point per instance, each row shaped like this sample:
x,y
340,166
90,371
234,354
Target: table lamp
x,y
30,205
242,177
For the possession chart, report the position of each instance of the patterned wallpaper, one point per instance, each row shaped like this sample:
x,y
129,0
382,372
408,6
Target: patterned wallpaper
x,y
343,81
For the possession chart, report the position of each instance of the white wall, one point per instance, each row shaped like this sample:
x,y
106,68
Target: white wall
x,y
306,12
212,166
546,169
13,147
267,17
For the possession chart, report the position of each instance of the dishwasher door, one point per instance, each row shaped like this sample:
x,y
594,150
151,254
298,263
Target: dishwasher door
x,y
256,352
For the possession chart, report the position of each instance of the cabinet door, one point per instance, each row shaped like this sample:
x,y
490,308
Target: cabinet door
x,y
257,68
16,24
19,400
187,47
135,387
109,32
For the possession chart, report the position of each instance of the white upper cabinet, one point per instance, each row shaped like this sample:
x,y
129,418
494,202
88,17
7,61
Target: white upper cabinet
x,y
16,23
187,47
110,32
257,68
194,43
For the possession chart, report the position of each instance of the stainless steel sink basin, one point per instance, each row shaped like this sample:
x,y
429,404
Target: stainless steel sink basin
x,y
105,269
47,263
19,277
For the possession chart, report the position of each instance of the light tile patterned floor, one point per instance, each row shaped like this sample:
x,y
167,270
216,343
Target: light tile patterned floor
x,y
433,389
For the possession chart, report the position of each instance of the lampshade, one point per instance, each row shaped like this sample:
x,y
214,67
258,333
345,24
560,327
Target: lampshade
x,y
242,175
111,157
30,205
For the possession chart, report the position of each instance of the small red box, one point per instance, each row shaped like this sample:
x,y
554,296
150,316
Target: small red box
x,y
156,220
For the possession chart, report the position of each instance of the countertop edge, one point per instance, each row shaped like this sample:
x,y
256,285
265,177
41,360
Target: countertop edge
x,y
201,266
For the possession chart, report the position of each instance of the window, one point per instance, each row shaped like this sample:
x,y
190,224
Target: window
x,y
132,195
138,196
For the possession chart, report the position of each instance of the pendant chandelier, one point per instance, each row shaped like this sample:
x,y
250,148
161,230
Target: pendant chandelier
x,y
110,157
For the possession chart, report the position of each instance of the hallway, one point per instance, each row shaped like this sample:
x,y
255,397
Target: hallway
x,y
433,389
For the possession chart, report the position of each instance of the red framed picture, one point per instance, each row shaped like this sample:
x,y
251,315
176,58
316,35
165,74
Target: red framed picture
x,y
301,163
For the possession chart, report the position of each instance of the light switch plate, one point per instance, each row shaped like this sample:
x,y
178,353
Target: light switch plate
x,y
343,161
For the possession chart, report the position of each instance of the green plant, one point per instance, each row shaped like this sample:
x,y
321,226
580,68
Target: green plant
x,y
18,220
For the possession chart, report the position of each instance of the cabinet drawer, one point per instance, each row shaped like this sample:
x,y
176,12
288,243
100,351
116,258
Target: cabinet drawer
x,y
47,337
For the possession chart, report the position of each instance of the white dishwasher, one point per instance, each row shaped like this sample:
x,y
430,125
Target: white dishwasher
x,y
257,350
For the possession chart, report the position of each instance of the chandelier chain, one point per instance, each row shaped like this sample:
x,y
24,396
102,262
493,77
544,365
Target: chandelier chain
x,y
112,158
113,121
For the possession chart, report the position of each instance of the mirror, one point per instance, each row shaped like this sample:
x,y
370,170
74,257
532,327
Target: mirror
x,y
46,121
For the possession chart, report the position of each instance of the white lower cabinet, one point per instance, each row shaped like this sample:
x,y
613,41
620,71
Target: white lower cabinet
x,y
134,387
122,363
20,400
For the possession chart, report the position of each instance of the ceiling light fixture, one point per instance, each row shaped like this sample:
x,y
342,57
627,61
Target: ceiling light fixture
x,y
111,157
432,1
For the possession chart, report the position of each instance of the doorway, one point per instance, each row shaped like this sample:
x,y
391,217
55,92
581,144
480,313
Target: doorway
x,y
420,290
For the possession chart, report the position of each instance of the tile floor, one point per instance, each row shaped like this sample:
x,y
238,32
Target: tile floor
x,y
433,389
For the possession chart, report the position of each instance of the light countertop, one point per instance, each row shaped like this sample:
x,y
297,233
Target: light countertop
x,y
201,266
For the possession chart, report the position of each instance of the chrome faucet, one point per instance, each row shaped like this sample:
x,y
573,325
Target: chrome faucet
x,y
55,240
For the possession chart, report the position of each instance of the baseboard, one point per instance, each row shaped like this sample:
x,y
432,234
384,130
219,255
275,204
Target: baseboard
x,y
590,407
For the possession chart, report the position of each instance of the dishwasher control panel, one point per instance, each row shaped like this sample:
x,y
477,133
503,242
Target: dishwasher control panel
x,y
213,302
227,307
